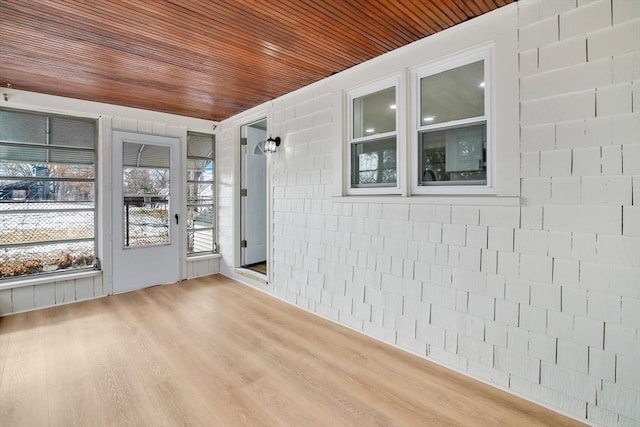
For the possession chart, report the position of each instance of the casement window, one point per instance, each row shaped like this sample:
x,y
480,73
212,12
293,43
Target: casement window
x,y
47,194
200,194
373,113
451,125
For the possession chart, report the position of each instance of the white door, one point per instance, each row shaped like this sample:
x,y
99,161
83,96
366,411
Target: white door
x,y
146,204
254,204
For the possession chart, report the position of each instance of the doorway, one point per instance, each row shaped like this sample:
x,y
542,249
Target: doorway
x,y
145,215
253,200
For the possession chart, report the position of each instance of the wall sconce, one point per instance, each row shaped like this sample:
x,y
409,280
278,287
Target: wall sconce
x,y
270,144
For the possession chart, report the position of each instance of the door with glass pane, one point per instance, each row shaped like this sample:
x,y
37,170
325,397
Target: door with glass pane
x,y
146,205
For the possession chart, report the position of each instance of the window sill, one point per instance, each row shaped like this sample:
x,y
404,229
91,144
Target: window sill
x,y
475,200
50,278
202,257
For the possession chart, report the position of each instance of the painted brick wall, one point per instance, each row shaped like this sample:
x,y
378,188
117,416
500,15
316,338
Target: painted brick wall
x,y
543,298
580,127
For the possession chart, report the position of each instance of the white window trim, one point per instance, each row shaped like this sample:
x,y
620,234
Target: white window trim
x,y
398,82
485,54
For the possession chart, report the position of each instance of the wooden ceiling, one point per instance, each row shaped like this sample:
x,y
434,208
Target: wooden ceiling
x,y
204,58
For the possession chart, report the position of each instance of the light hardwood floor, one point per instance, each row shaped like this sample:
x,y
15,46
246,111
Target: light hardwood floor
x,y
212,352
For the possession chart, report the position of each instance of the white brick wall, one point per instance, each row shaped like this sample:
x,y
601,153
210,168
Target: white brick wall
x,y
585,19
563,54
542,298
539,33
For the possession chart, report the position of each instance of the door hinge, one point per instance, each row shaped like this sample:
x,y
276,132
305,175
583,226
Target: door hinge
x,y
243,141
243,243
243,192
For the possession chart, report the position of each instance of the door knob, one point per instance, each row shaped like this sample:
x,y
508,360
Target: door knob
x,y
176,219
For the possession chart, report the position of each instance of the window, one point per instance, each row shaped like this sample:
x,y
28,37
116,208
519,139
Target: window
x,y
451,125
373,138
146,184
200,194
47,193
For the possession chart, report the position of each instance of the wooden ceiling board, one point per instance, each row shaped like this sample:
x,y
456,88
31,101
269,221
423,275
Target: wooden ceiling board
x,y
202,58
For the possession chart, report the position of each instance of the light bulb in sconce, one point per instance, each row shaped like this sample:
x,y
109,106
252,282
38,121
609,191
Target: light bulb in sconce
x,y
271,144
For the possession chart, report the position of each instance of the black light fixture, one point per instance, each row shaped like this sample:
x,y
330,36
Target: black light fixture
x,y
270,144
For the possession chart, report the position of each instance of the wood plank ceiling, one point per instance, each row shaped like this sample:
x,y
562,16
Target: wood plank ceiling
x,y
203,58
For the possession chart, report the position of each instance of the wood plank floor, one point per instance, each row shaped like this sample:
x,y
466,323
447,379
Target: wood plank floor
x,y
212,352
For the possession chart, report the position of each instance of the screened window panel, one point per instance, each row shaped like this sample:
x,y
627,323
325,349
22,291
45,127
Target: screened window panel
x,y
23,127
72,133
45,155
201,220
47,193
47,225
46,190
145,155
199,145
200,170
20,261
33,128
199,194
51,170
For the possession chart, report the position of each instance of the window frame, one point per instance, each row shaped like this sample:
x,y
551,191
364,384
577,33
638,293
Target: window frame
x,y
393,81
214,249
442,65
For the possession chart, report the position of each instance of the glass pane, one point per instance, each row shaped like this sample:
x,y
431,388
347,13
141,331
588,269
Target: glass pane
x,y
199,145
200,194
374,113
200,223
452,95
200,170
46,192
146,196
145,155
454,156
37,208
45,155
374,163
28,127
23,260
45,170
22,127
72,132
20,226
